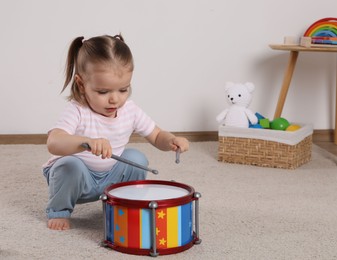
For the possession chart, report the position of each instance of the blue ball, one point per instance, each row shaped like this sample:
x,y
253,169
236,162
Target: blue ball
x,y
259,116
255,126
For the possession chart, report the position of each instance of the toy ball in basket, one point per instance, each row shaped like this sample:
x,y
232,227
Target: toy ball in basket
x,y
150,217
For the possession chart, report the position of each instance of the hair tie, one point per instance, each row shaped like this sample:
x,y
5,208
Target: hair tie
x,y
118,37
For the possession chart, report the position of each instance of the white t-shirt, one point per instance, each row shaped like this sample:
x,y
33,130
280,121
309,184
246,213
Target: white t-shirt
x,y
81,120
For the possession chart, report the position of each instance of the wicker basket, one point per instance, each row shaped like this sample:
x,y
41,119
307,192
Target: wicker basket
x,y
266,153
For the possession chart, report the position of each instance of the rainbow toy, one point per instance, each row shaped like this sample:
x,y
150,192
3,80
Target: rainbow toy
x,y
323,31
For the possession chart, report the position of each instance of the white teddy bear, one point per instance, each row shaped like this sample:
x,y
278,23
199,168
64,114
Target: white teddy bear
x,y
238,115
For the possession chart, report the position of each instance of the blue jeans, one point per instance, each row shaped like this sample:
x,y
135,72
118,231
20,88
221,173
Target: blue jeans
x,y
71,182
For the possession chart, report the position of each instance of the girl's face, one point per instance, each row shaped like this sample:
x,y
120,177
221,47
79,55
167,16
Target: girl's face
x,y
106,89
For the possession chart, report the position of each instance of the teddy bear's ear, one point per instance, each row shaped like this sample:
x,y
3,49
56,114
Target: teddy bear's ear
x,y
228,85
250,86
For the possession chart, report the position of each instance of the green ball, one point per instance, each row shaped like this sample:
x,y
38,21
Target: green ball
x,y
279,124
264,122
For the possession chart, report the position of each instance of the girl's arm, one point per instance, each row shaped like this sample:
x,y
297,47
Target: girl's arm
x,y
59,142
166,141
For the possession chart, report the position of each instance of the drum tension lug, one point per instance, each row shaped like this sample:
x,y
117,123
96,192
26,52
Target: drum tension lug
x,y
198,241
197,196
153,205
103,197
154,254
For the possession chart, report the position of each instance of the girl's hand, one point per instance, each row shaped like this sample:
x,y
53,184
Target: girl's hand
x,y
100,146
166,141
179,142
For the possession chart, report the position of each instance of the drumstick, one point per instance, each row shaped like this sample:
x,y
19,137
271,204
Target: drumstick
x,y
178,155
121,159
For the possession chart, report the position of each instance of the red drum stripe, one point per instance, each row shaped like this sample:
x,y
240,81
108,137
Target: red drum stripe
x,y
161,229
134,228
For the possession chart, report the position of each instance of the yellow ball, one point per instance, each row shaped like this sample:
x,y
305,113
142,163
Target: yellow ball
x,y
293,128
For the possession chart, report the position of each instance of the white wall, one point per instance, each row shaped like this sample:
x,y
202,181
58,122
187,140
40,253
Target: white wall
x,y
184,50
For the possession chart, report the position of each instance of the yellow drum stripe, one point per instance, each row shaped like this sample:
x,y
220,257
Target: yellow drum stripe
x,y
172,227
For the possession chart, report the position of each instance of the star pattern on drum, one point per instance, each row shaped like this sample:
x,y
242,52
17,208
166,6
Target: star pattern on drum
x,y
161,214
162,242
117,227
120,212
121,229
122,239
161,228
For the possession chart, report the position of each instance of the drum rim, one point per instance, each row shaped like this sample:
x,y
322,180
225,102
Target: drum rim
x,y
147,251
113,200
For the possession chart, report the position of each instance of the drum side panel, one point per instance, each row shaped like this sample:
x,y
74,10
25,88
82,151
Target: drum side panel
x,y
109,222
161,228
134,227
174,226
186,223
145,228
121,226
173,220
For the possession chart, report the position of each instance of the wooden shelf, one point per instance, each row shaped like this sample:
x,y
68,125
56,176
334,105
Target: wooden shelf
x,y
294,51
315,48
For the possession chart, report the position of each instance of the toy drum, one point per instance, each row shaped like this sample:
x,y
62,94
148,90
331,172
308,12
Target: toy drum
x,y
150,217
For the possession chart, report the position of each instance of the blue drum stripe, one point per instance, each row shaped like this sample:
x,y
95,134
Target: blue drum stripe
x,y
179,226
109,222
146,229
186,223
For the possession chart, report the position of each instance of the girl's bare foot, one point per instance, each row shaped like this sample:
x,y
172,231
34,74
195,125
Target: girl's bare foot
x,y
59,223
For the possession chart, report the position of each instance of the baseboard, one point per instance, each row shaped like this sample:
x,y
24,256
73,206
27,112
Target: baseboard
x,y
23,139
199,136
42,138
323,135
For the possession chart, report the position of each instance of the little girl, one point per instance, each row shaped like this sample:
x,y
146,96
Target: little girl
x,y
100,114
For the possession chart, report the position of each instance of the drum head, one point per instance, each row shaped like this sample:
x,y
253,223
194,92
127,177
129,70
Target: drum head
x,y
148,192
142,192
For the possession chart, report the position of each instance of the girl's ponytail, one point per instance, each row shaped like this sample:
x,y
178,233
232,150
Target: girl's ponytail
x,y
71,60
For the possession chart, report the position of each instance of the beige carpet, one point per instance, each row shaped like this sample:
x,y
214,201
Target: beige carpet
x,y
247,212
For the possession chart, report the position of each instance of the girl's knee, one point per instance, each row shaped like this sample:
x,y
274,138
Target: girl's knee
x,y
131,173
136,156
68,168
